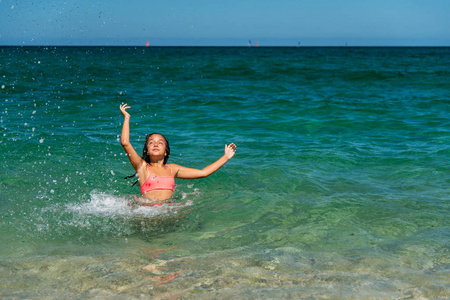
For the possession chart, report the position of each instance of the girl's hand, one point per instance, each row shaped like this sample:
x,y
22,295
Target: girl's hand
x,y
123,108
230,150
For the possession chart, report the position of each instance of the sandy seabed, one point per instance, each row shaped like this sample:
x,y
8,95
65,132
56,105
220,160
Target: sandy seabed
x,y
151,273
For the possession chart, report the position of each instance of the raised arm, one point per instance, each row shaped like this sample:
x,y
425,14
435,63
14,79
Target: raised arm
x,y
188,173
135,159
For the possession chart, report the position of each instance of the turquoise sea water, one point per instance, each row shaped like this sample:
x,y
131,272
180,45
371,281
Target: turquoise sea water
x,y
339,188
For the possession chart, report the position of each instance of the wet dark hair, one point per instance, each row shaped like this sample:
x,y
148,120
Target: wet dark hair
x,y
145,155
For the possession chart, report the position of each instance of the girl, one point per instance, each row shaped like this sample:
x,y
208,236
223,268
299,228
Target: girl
x,y
155,176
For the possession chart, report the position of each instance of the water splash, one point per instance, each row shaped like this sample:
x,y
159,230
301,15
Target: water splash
x,y
105,205
100,215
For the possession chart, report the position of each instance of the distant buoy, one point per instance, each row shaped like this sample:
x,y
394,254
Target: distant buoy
x,y
256,44
147,44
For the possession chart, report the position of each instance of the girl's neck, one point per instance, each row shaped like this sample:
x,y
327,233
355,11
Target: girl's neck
x,y
158,163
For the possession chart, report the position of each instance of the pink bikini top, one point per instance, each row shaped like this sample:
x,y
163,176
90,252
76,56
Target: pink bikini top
x,y
155,182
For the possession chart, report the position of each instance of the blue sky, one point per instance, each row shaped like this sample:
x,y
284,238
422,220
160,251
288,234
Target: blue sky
x,y
226,22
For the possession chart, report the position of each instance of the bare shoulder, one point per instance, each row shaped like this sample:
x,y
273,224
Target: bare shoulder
x,y
175,168
143,167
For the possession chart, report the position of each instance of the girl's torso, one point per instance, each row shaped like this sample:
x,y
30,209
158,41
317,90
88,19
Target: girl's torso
x,y
159,186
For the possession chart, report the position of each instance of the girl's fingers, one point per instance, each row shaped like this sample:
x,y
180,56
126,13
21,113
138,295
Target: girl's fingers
x,y
124,106
231,146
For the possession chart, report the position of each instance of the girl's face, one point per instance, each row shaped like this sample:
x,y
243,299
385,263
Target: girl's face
x,y
156,145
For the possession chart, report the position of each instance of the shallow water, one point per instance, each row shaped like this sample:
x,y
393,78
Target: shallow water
x,y
339,187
